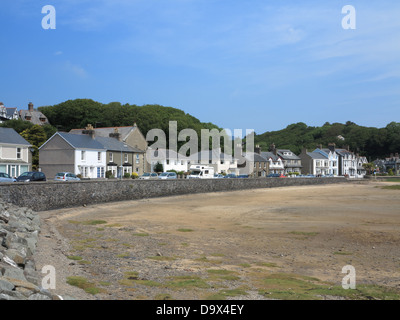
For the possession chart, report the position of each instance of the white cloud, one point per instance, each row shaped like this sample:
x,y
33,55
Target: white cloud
x,y
76,70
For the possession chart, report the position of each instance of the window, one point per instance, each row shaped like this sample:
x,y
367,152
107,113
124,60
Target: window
x,y
137,159
83,155
99,156
125,157
110,157
19,153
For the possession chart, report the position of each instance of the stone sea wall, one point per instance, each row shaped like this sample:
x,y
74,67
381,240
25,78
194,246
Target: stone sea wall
x,y
42,196
19,232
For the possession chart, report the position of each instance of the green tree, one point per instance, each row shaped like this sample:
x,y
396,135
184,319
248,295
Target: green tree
x,y
36,136
158,167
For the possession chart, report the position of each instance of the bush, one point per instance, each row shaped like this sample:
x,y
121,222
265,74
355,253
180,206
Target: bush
x,y
109,174
135,175
127,175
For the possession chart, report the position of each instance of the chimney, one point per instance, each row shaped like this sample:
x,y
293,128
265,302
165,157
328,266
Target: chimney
x,y
115,134
332,146
257,149
30,107
319,146
272,149
89,130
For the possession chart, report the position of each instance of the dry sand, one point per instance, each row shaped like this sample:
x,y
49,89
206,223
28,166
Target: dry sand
x,y
310,231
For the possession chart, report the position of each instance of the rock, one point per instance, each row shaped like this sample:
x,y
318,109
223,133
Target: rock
x,y
39,296
19,234
5,285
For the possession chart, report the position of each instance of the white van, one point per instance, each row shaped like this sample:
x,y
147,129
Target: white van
x,y
201,172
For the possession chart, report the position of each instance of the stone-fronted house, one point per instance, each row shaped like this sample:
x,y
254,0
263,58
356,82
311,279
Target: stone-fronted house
x,y
275,162
15,153
291,162
33,116
131,136
390,163
314,163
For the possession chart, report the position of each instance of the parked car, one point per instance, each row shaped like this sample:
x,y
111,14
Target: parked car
x,y
276,175
230,176
5,177
66,176
218,176
148,175
243,176
167,175
31,176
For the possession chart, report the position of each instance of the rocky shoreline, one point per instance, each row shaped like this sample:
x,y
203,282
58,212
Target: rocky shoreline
x,y
19,234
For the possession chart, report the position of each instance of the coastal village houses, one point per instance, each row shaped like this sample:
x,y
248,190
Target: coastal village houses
x,y
15,153
275,162
129,135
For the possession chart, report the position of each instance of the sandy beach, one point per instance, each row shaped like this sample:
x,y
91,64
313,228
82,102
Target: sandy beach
x,y
231,245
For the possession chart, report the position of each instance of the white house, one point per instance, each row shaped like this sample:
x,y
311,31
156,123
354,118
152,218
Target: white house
x,y
79,154
169,159
333,158
15,154
221,162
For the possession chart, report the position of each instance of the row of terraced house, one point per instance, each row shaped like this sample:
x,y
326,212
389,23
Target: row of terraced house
x,y
91,152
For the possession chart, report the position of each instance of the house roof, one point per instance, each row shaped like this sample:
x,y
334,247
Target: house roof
x,y
286,157
10,112
35,116
254,156
105,132
317,156
271,155
112,144
10,136
81,141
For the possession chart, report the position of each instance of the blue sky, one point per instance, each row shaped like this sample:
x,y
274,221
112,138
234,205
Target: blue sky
x,y
253,64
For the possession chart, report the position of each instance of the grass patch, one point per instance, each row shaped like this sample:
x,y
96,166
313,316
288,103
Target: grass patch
x,y
76,258
267,264
187,282
222,274
88,222
140,234
395,187
297,287
245,265
343,253
84,284
184,230
305,234
205,259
